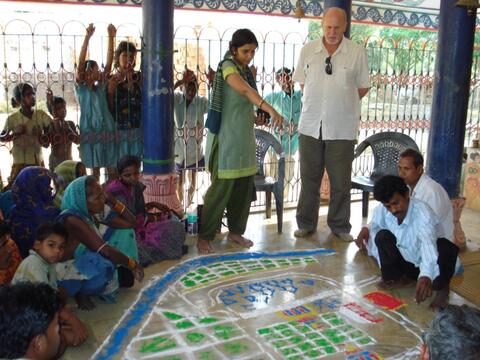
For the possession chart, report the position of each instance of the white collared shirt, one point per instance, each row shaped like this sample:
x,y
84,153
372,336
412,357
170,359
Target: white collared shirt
x,y
434,195
416,236
331,102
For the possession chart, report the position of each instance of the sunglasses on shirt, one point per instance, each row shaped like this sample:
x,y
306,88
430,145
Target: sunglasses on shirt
x,y
328,65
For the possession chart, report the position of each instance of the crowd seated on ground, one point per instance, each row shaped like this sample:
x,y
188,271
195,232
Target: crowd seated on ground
x,y
77,242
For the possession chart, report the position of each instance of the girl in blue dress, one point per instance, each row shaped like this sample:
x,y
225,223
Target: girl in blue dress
x,y
97,129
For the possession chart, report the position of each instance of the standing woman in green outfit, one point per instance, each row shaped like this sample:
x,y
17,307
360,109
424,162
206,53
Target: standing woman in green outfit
x,y
230,151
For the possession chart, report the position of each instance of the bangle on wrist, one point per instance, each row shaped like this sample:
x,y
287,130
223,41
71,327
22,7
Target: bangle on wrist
x,y
132,264
118,207
260,104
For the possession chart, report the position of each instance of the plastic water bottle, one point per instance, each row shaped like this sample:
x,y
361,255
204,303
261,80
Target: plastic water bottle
x,y
192,220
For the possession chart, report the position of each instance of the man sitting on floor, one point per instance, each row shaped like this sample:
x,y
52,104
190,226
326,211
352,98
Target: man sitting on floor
x,y
402,236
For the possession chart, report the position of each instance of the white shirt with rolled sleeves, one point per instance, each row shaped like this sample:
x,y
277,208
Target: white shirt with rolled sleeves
x,y
432,193
331,102
416,236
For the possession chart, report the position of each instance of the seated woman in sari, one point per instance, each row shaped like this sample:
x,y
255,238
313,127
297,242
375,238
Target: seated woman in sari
x,y
9,255
159,235
33,196
82,200
65,173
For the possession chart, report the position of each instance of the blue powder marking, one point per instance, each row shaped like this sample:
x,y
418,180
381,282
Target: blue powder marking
x,y
149,296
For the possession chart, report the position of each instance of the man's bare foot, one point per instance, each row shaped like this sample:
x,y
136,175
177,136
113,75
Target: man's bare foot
x,y
441,299
204,247
395,284
84,302
240,240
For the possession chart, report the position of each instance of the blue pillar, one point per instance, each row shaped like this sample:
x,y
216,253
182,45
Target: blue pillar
x,y
157,89
345,5
450,95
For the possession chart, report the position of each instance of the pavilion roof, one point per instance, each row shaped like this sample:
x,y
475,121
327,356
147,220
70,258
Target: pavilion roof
x,y
407,13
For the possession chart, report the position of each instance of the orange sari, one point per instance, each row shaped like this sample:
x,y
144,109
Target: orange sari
x,y
6,274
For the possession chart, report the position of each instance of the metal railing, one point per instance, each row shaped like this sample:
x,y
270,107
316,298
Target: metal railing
x,y
45,54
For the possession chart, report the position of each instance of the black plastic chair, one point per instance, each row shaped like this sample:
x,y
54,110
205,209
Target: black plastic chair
x,y
386,149
264,140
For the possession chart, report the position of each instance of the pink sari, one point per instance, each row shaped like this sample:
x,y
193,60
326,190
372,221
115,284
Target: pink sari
x,y
157,241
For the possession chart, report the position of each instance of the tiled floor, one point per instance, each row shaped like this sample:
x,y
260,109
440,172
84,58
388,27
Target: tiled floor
x,y
348,267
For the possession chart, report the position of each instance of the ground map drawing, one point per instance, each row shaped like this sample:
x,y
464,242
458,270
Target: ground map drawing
x,y
262,306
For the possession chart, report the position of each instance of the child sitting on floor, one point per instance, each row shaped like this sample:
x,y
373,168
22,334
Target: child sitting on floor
x,y
39,267
9,254
29,322
159,234
60,134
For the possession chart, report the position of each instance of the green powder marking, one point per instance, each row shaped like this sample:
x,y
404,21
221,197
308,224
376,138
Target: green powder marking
x,y
158,344
305,346
202,271
288,333
322,342
281,327
365,341
191,274
195,337
189,283
280,343
184,324
304,329
296,339
228,273
206,355
290,351
337,322
355,334
295,357
235,348
198,277
329,349
172,316
264,331
312,336
208,320
215,265
312,353
224,332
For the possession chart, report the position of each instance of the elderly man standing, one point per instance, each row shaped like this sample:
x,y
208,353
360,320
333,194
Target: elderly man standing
x,y
333,74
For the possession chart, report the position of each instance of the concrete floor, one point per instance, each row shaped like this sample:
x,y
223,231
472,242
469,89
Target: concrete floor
x,y
348,267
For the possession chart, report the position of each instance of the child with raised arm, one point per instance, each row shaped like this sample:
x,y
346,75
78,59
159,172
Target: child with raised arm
x,y
97,129
39,267
24,128
125,100
60,134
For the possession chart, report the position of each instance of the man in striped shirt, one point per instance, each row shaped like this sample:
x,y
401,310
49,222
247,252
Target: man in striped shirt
x,y
404,240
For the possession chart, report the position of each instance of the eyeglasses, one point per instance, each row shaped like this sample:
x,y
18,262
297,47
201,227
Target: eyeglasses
x,y
328,65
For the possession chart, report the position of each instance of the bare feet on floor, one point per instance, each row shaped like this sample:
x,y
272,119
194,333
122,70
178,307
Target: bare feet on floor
x,y
84,302
240,240
441,299
395,284
204,247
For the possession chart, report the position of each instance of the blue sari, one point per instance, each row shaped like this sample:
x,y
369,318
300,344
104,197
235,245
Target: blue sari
x,y
74,203
33,198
